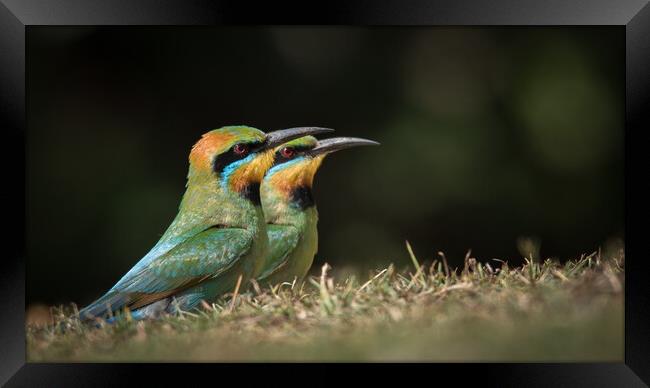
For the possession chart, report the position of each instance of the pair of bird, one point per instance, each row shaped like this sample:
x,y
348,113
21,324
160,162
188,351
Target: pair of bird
x,y
247,213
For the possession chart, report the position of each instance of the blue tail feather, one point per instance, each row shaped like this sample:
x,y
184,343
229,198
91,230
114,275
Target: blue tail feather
x,y
100,308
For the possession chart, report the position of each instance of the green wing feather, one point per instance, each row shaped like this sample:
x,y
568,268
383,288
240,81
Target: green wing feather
x,y
283,239
207,254
203,256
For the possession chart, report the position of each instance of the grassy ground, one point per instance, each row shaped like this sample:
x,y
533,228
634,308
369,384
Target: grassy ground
x,y
542,311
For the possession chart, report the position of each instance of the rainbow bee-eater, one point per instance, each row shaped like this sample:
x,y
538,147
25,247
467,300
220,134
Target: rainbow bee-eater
x,y
289,207
218,235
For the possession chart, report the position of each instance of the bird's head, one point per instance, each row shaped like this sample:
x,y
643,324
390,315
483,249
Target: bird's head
x,y
295,163
236,157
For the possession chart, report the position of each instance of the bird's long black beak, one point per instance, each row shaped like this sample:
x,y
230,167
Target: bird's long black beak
x,y
281,136
334,144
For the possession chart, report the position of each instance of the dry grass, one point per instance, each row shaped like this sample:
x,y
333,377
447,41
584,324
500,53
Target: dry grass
x,y
542,311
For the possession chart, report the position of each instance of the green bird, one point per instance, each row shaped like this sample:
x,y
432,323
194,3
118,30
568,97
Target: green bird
x,y
218,235
289,207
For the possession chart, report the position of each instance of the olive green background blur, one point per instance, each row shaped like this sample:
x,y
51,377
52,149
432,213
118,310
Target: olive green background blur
x,y
488,135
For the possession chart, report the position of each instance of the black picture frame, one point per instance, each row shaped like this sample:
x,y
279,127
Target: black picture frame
x,y
18,15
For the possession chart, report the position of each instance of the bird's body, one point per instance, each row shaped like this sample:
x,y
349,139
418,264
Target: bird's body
x,y
292,248
218,234
289,206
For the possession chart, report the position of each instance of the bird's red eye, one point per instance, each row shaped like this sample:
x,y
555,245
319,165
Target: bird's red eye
x,y
287,152
240,149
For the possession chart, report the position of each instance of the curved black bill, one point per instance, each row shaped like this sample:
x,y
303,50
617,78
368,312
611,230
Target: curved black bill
x,y
334,144
281,136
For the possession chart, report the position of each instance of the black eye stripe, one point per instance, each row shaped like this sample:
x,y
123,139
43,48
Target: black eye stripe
x,y
221,161
279,159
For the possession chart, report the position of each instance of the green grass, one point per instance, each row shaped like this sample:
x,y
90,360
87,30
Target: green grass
x,y
542,311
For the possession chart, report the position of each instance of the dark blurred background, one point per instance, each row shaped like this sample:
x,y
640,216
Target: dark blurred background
x,y
490,137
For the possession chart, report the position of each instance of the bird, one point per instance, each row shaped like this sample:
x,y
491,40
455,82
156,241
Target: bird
x,y
289,207
218,234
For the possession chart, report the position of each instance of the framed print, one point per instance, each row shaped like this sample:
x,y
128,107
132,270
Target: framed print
x,y
207,187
